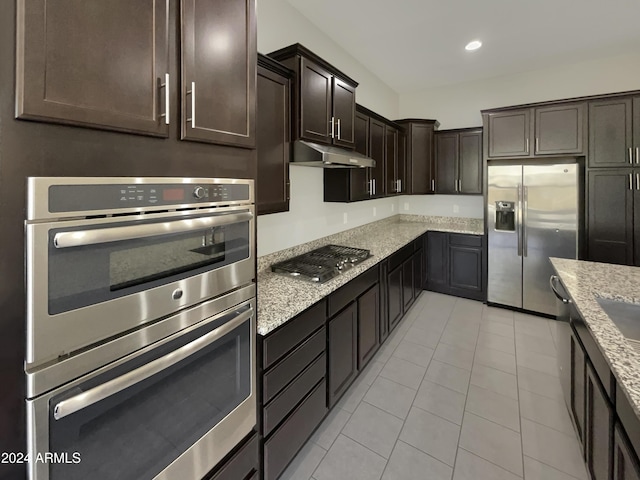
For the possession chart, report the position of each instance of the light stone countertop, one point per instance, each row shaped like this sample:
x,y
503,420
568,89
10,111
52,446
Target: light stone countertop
x,y
586,281
282,297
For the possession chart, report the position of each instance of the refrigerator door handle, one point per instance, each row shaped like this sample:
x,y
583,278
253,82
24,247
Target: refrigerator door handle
x,y
519,220
524,220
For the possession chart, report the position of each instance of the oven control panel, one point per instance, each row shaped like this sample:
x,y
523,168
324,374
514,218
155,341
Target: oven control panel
x,y
144,194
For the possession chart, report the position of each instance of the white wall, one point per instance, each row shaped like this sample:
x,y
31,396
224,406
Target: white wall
x,y
458,106
279,25
469,206
309,218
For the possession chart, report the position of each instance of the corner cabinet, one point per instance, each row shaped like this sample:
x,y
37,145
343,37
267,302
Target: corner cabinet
x,y
555,129
218,54
419,153
458,156
324,98
273,131
96,64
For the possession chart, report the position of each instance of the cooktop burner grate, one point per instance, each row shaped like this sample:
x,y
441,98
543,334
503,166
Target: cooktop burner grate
x,y
323,263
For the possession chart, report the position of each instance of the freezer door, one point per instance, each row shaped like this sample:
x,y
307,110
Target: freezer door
x,y
504,212
550,229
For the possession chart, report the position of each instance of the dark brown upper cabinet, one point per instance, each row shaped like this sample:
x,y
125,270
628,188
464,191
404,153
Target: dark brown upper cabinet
x,y
218,54
273,130
611,142
509,133
554,129
420,168
377,152
391,160
96,64
559,129
402,162
458,156
324,98
636,130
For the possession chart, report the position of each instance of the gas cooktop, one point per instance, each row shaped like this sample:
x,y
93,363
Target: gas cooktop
x,y
323,263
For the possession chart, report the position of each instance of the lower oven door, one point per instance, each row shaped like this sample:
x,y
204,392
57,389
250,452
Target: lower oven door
x,y
170,411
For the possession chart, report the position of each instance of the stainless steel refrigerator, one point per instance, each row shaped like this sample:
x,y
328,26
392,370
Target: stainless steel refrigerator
x,y
533,213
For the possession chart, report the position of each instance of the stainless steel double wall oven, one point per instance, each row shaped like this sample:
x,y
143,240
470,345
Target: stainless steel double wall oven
x,y
140,325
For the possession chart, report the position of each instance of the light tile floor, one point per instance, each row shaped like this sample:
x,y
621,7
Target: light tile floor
x,y
460,391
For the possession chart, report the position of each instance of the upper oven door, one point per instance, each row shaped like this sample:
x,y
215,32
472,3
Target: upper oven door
x,y
93,279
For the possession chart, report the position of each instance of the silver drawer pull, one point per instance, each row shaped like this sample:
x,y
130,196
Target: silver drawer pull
x,y
167,98
118,384
192,92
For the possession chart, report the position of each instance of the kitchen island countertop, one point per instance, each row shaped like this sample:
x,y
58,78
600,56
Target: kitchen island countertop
x,y
585,282
282,297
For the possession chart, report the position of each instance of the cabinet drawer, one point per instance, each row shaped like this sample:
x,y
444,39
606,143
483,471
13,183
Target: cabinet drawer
x,y
283,445
292,333
289,368
352,290
400,256
242,464
284,402
465,240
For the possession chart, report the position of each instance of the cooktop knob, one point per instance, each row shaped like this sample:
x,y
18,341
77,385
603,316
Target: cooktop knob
x,y
199,192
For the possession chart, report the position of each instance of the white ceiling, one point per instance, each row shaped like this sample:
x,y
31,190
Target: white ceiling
x,y
416,44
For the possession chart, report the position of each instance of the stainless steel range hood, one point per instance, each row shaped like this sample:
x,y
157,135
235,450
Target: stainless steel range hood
x,y
325,156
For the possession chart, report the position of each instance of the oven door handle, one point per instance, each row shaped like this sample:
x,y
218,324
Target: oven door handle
x,y
116,234
118,384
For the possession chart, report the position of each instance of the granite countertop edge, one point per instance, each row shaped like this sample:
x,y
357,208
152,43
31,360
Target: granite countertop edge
x,y
281,297
586,281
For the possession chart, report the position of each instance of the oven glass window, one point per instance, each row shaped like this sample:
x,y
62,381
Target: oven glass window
x,y
86,275
139,431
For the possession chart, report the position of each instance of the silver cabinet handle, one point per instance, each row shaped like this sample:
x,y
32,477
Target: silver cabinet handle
x,y
374,186
433,185
630,156
637,154
117,234
167,99
338,129
630,181
118,384
192,92
527,145
399,185
331,123
553,281
638,181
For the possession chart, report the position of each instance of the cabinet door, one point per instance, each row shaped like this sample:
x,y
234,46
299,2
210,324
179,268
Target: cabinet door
x,y
368,325
391,159
625,462
421,163
559,129
402,162
610,228
272,142
465,271
394,296
97,64
384,301
509,134
578,387
315,103
344,111
418,277
470,163
636,130
610,134
599,428
407,284
361,133
446,148
219,72
377,152
343,358
437,269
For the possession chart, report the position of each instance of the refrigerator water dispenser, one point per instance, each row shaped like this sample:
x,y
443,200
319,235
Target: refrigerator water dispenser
x,y
505,216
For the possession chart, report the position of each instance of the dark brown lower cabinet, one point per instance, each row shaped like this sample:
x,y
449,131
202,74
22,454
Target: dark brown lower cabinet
x,y
454,264
599,427
242,464
625,462
384,301
368,325
577,387
394,296
343,352
407,284
418,268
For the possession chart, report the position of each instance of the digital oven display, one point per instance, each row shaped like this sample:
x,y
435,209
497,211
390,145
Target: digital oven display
x,y
173,194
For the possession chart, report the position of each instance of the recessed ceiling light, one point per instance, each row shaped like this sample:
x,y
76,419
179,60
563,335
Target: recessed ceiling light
x,y
474,45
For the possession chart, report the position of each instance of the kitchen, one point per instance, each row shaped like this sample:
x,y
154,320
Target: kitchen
x,y
41,149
